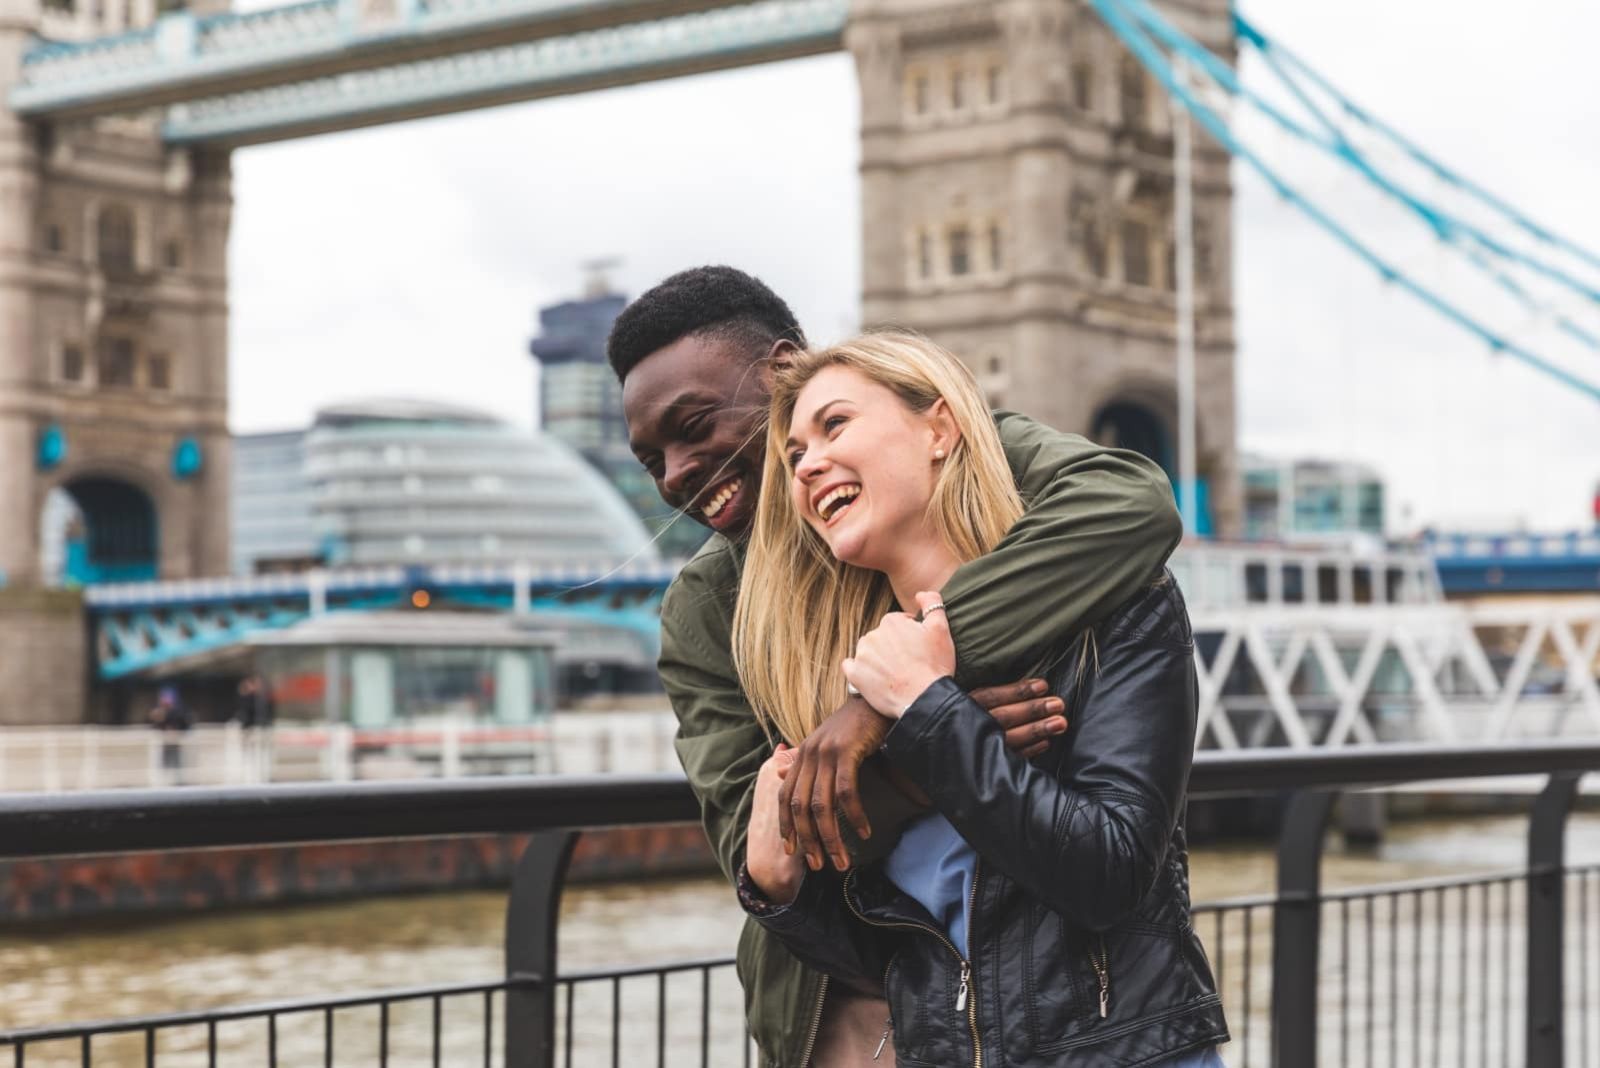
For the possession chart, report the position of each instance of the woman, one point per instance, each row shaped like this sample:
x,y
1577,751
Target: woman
x,y
1040,915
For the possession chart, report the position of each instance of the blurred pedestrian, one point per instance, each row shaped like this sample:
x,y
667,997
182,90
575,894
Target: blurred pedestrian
x,y
172,719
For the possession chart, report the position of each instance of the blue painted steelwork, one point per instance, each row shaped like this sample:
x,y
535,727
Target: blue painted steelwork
x,y
143,625
1517,563
333,64
715,40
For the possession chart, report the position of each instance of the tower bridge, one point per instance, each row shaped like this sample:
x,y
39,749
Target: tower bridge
x,y
1019,182
1016,185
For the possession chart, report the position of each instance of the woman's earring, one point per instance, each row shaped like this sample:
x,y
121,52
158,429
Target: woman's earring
x,y
938,454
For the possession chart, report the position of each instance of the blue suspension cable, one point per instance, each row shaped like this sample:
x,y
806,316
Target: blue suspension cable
x,y
1116,17
1264,45
1445,226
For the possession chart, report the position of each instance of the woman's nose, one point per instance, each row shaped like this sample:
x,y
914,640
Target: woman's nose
x,y
812,464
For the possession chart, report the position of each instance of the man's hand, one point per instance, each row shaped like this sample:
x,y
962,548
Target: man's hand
x,y
1029,718
822,778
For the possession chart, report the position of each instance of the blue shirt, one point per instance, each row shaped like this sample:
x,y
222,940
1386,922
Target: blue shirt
x,y
936,866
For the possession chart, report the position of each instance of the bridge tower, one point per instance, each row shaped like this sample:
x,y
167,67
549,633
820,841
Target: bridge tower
x,y
113,363
1017,202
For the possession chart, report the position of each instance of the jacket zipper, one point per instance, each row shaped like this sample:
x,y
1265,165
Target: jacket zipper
x,y
816,1024
1102,973
964,998
888,1024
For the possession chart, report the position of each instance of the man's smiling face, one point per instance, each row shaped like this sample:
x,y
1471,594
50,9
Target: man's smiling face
x,y
695,412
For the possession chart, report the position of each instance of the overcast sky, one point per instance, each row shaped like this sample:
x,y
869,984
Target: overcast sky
x,y
409,259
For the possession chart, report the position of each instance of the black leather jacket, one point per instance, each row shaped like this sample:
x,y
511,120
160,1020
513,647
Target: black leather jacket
x,y
1082,948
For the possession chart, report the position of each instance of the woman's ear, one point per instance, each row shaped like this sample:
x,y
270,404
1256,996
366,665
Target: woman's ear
x,y
943,426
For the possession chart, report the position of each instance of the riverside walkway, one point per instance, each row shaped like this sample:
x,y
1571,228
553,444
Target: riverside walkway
x,y
1490,968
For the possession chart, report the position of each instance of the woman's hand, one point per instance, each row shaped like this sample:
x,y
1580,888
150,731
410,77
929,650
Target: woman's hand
x,y
775,871
902,657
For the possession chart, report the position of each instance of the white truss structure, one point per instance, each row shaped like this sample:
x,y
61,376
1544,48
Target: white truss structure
x,y
1369,674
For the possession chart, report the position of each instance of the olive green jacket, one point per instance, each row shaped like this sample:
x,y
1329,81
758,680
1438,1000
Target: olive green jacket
x,y
1099,523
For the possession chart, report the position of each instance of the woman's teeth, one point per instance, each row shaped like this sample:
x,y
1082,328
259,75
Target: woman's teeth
x,y
714,505
840,496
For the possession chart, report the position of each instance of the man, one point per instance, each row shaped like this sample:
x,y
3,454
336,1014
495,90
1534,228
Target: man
x,y
691,354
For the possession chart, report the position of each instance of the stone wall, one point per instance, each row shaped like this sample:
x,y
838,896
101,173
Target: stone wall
x,y
43,657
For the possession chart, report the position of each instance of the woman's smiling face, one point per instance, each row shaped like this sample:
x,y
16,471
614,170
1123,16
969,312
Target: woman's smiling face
x,y
862,466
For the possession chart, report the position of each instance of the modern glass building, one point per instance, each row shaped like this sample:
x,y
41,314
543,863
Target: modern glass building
x,y
398,482
580,403
1286,500
273,525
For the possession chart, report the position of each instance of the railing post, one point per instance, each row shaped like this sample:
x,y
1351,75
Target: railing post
x,y
1297,928
533,911
1547,829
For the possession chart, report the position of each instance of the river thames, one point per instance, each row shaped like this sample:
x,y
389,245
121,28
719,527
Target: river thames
x,y
115,969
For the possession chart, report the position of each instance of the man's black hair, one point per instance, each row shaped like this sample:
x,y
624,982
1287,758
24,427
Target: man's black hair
x,y
720,301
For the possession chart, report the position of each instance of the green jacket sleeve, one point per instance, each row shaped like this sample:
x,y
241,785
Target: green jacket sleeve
x,y
1100,523
719,741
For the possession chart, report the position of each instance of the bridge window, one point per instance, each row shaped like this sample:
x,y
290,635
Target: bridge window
x,y
997,83
958,88
158,371
960,251
1086,233
924,255
994,364
114,234
72,363
1135,252
52,238
172,255
1131,83
921,92
997,248
1083,83
115,361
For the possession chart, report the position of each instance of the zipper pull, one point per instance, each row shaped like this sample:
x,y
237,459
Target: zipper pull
x,y
1102,972
961,994
888,1025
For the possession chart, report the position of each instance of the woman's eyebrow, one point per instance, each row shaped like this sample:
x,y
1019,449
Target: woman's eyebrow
x,y
818,415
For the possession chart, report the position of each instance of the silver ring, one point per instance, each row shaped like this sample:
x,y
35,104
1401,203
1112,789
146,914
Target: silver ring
x,y
937,606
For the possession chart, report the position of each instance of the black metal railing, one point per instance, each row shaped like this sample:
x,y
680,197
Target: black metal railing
x,y
1490,969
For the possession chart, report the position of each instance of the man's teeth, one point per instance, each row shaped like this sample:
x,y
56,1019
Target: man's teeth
x,y
841,493
714,505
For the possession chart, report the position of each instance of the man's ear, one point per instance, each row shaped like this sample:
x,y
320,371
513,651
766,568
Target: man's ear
x,y
778,356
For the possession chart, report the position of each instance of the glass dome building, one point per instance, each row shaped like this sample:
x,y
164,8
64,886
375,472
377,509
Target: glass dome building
x,y
402,482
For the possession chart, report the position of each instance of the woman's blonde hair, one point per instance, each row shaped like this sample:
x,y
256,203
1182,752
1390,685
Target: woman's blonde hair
x,y
801,611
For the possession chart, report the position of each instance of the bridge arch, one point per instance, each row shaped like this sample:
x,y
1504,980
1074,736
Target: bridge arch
x,y
99,526
1142,415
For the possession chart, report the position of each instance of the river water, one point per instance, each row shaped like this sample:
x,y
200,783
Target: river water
x,y
117,969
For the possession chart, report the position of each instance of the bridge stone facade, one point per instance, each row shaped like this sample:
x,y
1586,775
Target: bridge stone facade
x,y
1017,185
113,369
